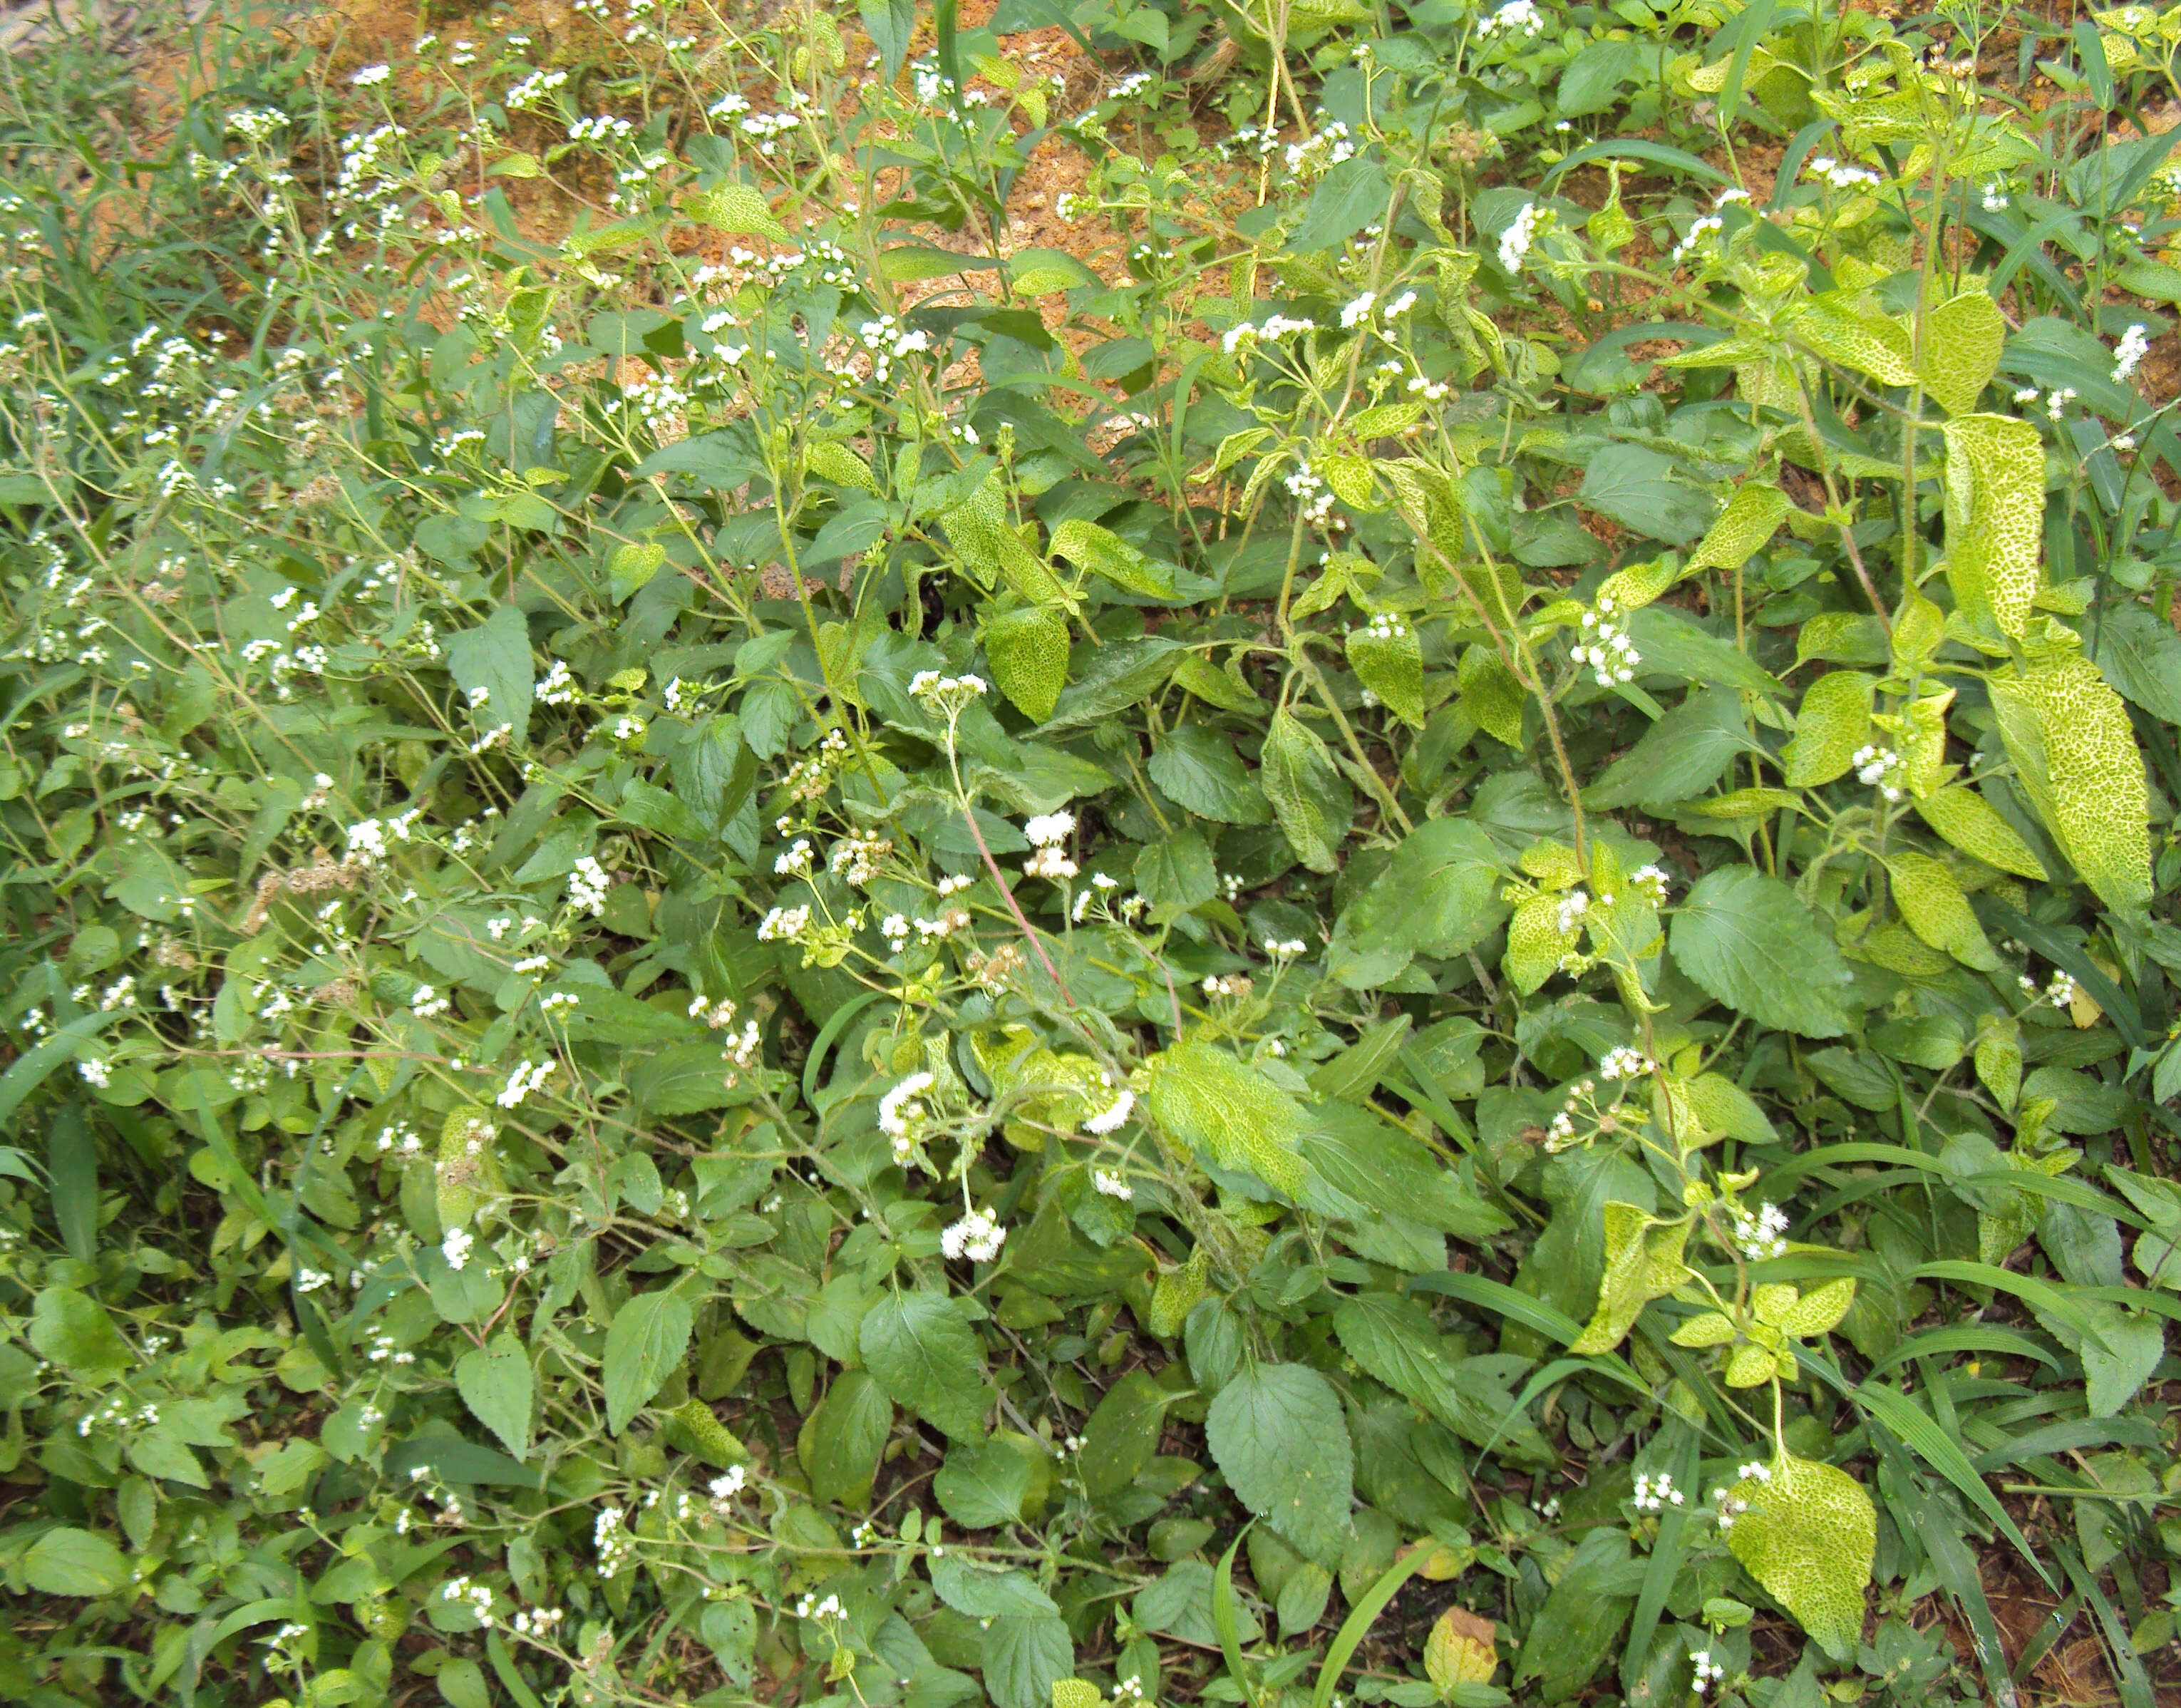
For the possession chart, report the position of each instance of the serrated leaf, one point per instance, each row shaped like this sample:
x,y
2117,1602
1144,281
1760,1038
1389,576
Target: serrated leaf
x,y
1962,339
836,463
1832,722
1995,512
1439,896
1309,797
1490,696
1197,768
2074,752
1972,825
1278,1434
920,1347
1214,1102
1809,1535
1028,650
70,1562
647,1339
1931,901
495,1382
1748,941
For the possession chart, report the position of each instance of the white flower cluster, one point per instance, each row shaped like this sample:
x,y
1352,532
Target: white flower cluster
x,y
116,1414
1355,313
1276,327
977,1236
1623,1063
1708,1672
1285,948
538,1621
855,860
900,1110
1516,17
1320,153
1385,625
795,862
1110,1185
810,1607
1310,491
946,694
1652,883
427,1005
1839,175
784,925
1046,833
2060,992
888,342
587,885
724,1488
527,1077
533,89
1570,913
476,1595
1097,890
1516,241
1654,1494
455,1247
2134,346
1605,647
615,1546
1878,768
1110,1120
1762,1235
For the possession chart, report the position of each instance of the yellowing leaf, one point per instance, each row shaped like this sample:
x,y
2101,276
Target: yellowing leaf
x,y
1211,1102
835,462
1490,696
2074,751
1751,517
1535,942
1995,511
734,207
1819,1312
1461,1650
1643,1262
1972,825
1937,911
1028,650
1842,328
1389,660
1833,723
1962,341
1809,1535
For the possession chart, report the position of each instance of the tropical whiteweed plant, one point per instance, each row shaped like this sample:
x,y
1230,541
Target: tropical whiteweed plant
x,y
712,1002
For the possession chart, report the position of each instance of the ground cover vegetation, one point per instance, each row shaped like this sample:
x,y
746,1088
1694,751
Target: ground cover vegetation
x,y
1374,913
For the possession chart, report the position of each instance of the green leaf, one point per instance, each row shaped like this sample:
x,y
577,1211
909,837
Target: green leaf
x,y
68,1561
1748,941
1177,871
1490,695
924,1353
1214,1103
632,565
1439,896
1678,757
2074,752
1197,768
1121,1436
1832,723
1386,1171
2140,655
1637,488
647,1339
1112,679
1962,339
1809,1537
1389,660
1348,198
495,1382
1931,901
1573,1633
1396,1343
72,1328
494,659
1278,1434
1309,796
1029,653
1994,510
1023,1657
998,1481
840,1442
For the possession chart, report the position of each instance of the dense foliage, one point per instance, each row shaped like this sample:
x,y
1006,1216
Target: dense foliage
x,y
1396,934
